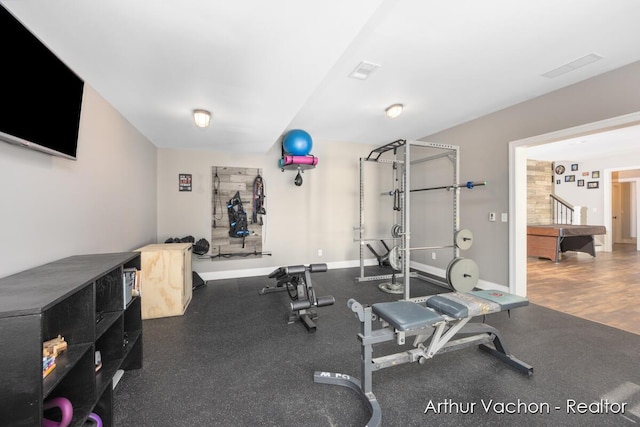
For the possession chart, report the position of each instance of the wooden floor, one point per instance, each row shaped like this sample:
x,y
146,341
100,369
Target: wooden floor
x,y
604,289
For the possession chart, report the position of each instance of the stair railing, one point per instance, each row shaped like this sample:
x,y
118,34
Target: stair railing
x,y
562,210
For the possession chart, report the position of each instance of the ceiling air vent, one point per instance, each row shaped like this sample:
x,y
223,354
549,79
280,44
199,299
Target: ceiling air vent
x,y
363,70
573,65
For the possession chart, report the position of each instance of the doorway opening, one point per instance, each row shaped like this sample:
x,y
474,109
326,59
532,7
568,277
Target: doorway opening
x,y
619,214
624,209
518,193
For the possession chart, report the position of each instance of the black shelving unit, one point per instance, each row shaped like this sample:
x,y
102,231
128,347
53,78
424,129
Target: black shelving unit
x,y
81,299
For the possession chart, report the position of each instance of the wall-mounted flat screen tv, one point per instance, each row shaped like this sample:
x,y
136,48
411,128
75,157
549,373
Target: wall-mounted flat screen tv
x,y
40,97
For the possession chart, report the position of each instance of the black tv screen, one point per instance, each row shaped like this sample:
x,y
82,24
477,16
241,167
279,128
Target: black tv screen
x,y
40,97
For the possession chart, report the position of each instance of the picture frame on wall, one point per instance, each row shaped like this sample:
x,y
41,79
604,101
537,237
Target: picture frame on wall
x,y
574,167
581,183
593,184
569,178
595,174
184,182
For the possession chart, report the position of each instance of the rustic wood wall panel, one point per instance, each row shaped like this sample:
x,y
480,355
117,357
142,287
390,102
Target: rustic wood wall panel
x,y
230,180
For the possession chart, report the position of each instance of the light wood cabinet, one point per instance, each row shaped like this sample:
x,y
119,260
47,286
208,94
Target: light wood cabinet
x,y
166,282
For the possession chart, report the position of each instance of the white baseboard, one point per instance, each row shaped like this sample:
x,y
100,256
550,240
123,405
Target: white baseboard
x,y
265,271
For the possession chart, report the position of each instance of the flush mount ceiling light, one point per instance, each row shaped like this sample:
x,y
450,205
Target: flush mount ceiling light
x,y
201,118
394,110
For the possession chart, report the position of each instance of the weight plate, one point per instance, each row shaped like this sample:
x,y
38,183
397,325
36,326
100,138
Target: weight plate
x,y
391,288
464,239
395,260
395,231
448,272
462,274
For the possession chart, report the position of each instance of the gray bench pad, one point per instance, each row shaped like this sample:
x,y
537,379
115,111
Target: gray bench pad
x,y
406,315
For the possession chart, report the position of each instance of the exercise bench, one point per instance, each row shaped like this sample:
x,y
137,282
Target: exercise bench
x,y
438,323
296,280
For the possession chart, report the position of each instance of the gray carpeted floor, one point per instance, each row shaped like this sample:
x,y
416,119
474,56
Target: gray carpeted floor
x,y
232,360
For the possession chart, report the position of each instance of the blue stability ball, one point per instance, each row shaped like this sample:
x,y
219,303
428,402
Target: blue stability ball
x,y
297,142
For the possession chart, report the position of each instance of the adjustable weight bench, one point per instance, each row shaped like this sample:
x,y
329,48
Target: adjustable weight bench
x,y
434,322
296,280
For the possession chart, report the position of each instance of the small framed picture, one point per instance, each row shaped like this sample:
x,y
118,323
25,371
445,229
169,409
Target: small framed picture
x,y
593,184
574,167
184,182
585,173
581,183
569,178
595,174
558,181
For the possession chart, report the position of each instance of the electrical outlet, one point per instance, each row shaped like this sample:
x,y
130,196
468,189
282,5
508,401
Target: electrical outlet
x,y
504,217
492,216
433,255
319,252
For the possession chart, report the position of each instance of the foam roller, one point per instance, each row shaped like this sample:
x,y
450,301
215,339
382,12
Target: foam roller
x,y
300,305
318,268
324,301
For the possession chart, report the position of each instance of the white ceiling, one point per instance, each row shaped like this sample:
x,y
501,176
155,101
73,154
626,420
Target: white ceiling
x,y
264,67
624,141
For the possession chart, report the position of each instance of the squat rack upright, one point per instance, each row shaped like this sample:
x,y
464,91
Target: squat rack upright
x,y
402,174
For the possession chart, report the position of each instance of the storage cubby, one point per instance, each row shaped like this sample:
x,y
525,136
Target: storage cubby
x,y
110,346
81,299
109,292
104,406
133,335
77,385
71,317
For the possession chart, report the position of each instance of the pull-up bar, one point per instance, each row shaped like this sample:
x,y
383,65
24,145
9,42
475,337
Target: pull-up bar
x,y
468,184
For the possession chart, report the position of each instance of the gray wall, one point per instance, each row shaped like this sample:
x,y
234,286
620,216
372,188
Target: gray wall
x,y
484,152
320,214
118,196
103,202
